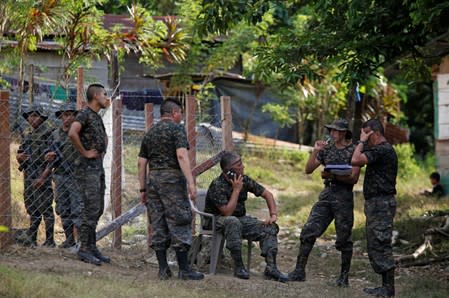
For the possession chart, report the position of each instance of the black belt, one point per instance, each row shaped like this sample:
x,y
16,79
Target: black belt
x,y
332,183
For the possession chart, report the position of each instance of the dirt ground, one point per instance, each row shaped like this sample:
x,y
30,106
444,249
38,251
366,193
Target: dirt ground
x,y
139,266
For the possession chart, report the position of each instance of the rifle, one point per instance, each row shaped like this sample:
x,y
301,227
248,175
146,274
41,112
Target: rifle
x,y
27,166
60,158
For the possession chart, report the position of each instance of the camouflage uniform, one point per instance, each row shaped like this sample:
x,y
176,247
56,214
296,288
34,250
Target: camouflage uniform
x,y
239,226
90,174
38,201
167,198
335,202
379,189
67,193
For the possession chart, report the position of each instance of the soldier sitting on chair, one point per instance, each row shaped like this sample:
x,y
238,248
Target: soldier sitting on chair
x,y
226,198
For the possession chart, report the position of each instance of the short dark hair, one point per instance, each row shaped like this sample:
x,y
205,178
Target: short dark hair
x,y
228,159
436,176
375,125
92,90
169,105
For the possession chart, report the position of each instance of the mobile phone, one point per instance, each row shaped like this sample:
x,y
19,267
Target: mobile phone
x,y
231,174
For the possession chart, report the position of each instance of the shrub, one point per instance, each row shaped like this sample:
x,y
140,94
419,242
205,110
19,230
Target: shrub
x,y
407,164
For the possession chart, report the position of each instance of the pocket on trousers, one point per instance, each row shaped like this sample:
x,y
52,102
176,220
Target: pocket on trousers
x,y
183,213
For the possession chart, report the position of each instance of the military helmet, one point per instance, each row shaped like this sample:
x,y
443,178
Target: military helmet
x,y
35,108
67,107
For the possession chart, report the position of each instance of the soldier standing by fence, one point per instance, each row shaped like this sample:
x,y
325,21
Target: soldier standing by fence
x,y
164,150
62,157
379,189
88,135
336,201
38,193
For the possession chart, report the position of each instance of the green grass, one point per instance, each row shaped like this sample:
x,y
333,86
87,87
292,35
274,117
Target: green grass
x,y
18,283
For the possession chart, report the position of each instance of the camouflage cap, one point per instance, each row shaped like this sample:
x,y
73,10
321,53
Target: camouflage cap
x,y
67,107
340,124
35,108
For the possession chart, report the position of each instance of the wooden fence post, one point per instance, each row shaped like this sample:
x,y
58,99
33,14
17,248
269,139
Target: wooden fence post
x,y
191,128
116,183
226,123
149,121
80,88
5,171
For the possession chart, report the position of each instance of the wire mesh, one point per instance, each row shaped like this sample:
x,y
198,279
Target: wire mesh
x,y
44,192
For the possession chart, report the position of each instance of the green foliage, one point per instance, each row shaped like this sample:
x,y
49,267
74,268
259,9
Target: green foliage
x,y
407,164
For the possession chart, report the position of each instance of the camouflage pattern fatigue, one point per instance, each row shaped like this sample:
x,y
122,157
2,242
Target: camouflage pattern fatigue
x,y
379,213
379,189
167,198
238,226
336,202
67,193
381,171
38,201
90,172
169,208
160,144
91,181
220,191
92,134
246,227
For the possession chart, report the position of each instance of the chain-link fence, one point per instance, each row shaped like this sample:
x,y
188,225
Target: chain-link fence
x,y
45,203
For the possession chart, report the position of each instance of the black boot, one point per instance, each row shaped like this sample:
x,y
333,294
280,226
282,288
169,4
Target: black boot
x,y
32,232
184,269
299,274
94,249
271,271
49,231
67,225
387,288
84,253
239,268
343,280
164,270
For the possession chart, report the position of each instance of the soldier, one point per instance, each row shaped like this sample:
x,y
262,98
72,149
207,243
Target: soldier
x,y
379,189
336,201
88,135
164,150
226,198
62,157
38,194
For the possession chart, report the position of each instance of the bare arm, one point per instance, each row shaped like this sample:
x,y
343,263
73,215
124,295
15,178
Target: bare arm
x,y
271,204
74,135
358,158
313,162
350,179
228,209
184,164
142,175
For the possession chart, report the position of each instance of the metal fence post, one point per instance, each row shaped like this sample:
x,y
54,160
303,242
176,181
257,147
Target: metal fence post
x,y
5,171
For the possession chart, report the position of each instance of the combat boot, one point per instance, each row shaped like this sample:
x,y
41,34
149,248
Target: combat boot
x,y
94,249
387,289
31,239
164,270
69,238
343,280
184,269
84,253
49,231
239,269
271,271
299,274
